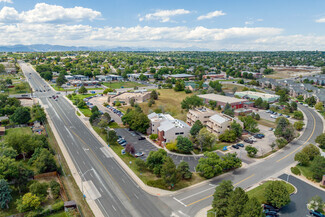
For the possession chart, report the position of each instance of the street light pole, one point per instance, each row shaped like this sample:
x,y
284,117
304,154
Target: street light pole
x,y
82,185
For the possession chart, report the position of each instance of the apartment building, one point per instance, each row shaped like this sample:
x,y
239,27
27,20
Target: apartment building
x,y
217,124
202,114
167,127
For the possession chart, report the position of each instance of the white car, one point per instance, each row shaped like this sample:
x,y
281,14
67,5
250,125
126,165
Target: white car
x,y
252,138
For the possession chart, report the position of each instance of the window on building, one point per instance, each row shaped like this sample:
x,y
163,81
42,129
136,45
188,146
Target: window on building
x,y
181,133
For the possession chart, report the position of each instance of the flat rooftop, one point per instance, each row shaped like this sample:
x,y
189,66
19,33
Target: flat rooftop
x,y
257,94
221,98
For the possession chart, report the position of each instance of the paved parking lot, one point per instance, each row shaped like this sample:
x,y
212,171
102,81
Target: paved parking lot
x,y
145,147
99,101
262,145
267,116
297,206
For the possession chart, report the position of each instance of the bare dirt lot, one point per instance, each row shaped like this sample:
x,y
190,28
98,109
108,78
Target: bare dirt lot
x,y
290,72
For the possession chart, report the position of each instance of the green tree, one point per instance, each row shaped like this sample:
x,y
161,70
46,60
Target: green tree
x,y
154,95
258,102
81,104
112,137
311,101
142,77
2,68
21,115
169,172
311,150
221,197
284,129
228,136
250,124
317,167
228,110
155,160
252,208
197,126
5,194
230,161
236,127
299,125
179,85
210,165
205,139
60,80
28,202
55,189
236,202
191,102
39,189
251,151
216,86
316,203
184,144
321,140
302,158
45,162
319,106
277,194
82,90
298,115
136,120
213,104
38,113
184,170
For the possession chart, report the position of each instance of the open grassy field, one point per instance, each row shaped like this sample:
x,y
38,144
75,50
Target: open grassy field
x,y
168,101
266,123
258,192
117,85
230,87
22,130
25,88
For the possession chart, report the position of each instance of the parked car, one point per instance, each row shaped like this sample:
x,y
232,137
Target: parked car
x,y
123,151
252,138
124,143
240,145
287,116
139,154
259,136
316,213
141,138
270,213
235,146
271,129
248,141
270,208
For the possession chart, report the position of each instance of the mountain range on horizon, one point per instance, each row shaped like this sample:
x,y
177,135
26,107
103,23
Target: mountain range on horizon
x,y
48,47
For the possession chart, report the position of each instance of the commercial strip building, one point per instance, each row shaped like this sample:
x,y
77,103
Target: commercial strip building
x,y
126,97
166,127
180,76
270,98
109,78
223,100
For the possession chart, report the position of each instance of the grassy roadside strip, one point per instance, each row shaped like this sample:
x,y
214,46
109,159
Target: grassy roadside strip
x,y
70,186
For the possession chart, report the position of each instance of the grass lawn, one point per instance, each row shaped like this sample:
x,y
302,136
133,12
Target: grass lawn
x,y
60,214
61,88
86,111
229,87
266,123
146,176
13,90
258,192
117,85
168,101
22,130
305,171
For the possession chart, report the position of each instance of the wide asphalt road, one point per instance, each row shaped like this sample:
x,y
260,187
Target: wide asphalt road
x,y
115,193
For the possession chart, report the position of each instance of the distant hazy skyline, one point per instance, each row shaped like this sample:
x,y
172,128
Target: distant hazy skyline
x,y
210,24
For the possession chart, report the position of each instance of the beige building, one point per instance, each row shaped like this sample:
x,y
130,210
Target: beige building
x,y
167,127
202,114
125,98
217,124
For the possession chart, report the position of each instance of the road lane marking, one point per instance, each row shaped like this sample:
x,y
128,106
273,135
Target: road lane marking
x,y
106,152
196,193
212,194
136,196
179,201
114,208
312,133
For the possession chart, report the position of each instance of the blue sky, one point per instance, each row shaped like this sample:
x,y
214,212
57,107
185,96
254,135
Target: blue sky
x,y
215,25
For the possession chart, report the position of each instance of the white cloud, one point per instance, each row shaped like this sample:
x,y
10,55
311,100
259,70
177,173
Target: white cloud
x,y
45,13
6,1
211,15
252,21
164,15
320,20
